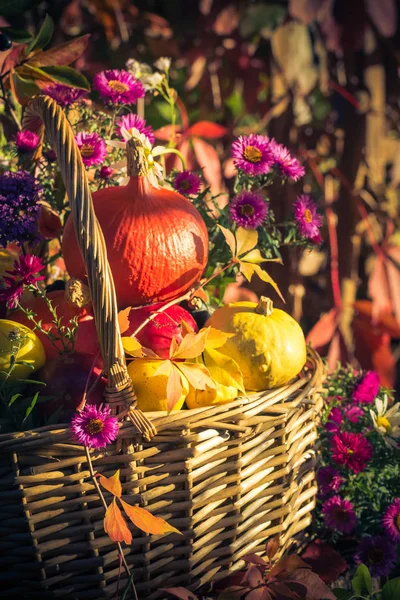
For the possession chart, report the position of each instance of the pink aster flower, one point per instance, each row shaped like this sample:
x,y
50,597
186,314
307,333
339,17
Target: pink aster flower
x,y
133,121
187,183
118,87
26,141
289,166
253,154
307,218
335,420
106,172
353,413
63,94
368,388
93,148
25,273
248,210
339,514
94,426
351,450
329,480
391,520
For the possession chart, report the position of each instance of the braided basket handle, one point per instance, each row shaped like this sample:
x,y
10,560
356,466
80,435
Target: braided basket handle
x,y
44,111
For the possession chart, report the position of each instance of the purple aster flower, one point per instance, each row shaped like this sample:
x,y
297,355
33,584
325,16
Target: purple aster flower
x,y
329,480
351,450
187,183
94,426
248,210
133,121
118,87
353,413
26,141
19,207
93,148
253,154
24,273
307,218
367,389
106,172
289,166
378,554
63,94
391,520
335,420
339,514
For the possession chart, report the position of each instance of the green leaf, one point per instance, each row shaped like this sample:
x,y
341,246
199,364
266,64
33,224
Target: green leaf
x,y
391,590
43,37
19,36
342,594
14,398
15,8
67,76
362,580
31,406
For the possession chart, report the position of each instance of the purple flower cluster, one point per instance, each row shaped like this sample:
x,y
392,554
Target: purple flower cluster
x,y
367,389
19,207
118,86
25,273
378,553
187,183
63,94
248,210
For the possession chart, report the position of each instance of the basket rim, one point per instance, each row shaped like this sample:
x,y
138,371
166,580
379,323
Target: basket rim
x,y
243,411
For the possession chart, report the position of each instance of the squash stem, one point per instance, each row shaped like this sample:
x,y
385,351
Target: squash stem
x,y
265,306
136,159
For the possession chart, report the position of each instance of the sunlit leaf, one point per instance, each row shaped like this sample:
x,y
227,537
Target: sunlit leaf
x,y
217,338
132,347
61,55
197,375
173,347
174,387
44,36
123,320
146,521
164,368
192,345
248,270
208,130
112,484
246,239
115,524
255,257
186,328
223,369
229,238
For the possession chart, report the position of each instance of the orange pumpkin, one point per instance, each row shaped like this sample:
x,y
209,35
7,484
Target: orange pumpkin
x,y
157,242
86,340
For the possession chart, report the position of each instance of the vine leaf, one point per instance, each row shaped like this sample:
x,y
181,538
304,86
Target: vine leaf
x,y
147,522
229,238
223,369
132,347
112,484
115,524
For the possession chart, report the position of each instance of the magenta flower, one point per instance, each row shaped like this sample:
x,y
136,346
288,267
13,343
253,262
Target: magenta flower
x,y
351,450
335,420
367,389
94,426
133,121
339,514
391,520
253,154
63,94
329,480
307,218
118,87
106,172
93,148
248,210
26,141
353,413
378,554
24,273
187,183
289,166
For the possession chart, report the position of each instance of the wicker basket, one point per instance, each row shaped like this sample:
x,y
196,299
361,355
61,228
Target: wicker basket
x,y
228,477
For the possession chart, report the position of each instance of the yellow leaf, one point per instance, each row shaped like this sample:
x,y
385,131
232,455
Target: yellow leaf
x,y
164,368
123,319
254,256
146,521
229,238
223,369
186,328
192,344
268,279
112,484
247,269
173,347
115,525
217,338
132,347
197,375
246,239
174,387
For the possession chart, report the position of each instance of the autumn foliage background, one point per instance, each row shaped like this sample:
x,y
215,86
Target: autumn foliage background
x,y
322,78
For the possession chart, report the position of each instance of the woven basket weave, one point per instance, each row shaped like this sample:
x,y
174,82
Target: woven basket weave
x,y
228,477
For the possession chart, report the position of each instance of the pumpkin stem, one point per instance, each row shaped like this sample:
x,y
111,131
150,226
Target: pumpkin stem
x,y
136,159
265,306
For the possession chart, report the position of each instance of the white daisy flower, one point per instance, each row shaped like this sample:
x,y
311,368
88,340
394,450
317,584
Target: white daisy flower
x,y
387,422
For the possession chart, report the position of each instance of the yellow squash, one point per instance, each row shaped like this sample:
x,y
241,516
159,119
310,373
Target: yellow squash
x,y
221,394
18,340
150,389
269,345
